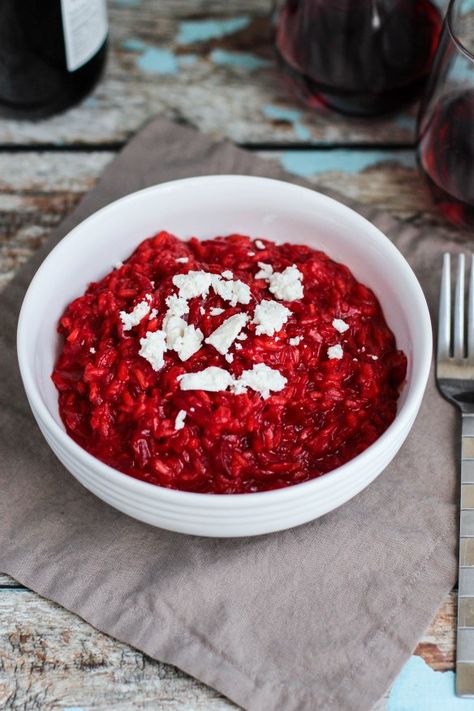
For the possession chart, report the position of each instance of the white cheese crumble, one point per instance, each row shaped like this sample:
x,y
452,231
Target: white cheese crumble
x,y
269,317
92,350
211,379
179,421
229,357
182,260
340,325
227,274
216,311
224,336
335,352
374,357
266,270
234,291
153,348
194,283
202,310
295,341
286,285
181,337
242,337
129,320
251,254
177,306
238,346
153,313
259,244
262,379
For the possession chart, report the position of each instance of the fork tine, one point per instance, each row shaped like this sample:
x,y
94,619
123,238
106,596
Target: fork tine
x,y
470,313
444,319
459,309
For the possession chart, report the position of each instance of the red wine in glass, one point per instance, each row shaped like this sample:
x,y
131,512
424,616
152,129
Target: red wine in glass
x,y
360,57
446,156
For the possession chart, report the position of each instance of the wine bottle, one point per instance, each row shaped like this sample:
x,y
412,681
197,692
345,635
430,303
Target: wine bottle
x,y
51,54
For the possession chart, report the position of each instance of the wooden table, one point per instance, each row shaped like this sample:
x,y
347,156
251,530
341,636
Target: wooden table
x,y
207,63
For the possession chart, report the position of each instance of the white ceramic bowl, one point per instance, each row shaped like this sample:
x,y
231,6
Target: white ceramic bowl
x,y
206,207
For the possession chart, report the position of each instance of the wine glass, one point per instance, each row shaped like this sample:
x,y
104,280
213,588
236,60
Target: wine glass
x,y
446,120
360,57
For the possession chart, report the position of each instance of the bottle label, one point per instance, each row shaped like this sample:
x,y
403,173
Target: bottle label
x,y
85,29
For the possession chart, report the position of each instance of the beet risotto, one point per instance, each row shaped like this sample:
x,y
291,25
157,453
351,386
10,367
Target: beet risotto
x,y
229,365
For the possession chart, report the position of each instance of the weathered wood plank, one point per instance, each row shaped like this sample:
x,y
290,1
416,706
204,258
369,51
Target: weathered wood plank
x,y
7,582
437,646
38,189
208,64
52,659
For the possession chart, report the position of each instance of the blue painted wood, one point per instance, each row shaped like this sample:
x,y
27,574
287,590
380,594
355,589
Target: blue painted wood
x,y
353,161
420,688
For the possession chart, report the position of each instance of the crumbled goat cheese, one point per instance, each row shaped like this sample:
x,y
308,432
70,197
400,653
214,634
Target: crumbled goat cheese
x,y
177,305
259,244
229,357
269,317
224,336
92,350
266,270
340,325
153,348
286,285
295,341
262,379
129,320
242,337
211,379
238,346
181,337
194,283
216,311
202,310
179,421
182,260
153,313
335,352
227,274
251,254
374,357
234,291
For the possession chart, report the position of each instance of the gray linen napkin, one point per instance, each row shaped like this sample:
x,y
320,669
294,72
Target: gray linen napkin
x,y
319,617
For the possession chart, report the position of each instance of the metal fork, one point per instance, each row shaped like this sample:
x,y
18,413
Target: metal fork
x,y
455,379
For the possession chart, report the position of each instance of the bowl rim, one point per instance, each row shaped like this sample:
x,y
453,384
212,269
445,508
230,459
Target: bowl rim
x,y
394,432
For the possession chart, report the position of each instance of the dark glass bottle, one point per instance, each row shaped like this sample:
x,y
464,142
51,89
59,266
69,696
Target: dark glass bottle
x,y
51,54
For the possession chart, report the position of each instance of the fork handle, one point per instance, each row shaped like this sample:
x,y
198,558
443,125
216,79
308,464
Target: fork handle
x,y
465,622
